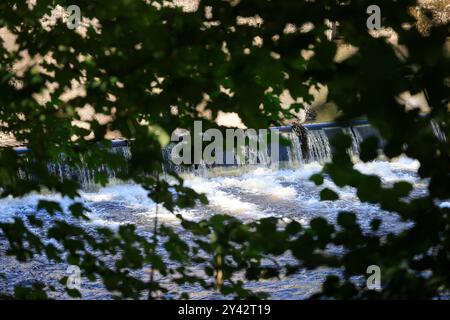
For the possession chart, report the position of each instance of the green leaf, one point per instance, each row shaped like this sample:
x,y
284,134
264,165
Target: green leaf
x,y
328,195
346,219
317,179
73,293
369,149
402,188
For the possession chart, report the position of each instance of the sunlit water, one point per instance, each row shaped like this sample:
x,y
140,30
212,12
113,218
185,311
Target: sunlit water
x,y
250,195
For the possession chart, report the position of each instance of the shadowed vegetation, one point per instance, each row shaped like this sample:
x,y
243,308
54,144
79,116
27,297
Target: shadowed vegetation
x,y
146,69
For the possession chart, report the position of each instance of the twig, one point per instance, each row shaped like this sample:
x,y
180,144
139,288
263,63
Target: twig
x,y
155,243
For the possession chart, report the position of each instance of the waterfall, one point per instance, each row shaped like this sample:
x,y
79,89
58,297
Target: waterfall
x,y
437,131
307,143
311,143
85,175
82,173
356,140
319,146
295,153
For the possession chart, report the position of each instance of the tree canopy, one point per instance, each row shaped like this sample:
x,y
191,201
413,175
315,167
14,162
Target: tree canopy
x,y
146,68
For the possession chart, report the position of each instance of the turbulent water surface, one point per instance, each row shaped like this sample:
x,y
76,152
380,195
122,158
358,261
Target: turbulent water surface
x,y
247,194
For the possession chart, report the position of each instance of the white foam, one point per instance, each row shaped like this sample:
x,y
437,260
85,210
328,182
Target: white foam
x,y
11,207
220,199
260,181
445,204
401,168
303,173
132,194
234,195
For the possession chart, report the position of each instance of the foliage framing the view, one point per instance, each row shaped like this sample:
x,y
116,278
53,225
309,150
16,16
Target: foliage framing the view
x,y
148,67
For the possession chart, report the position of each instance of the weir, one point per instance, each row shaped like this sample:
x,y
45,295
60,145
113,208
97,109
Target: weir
x,y
313,146
318,137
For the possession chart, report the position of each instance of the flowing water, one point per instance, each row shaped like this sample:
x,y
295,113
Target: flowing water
x,y
245,192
